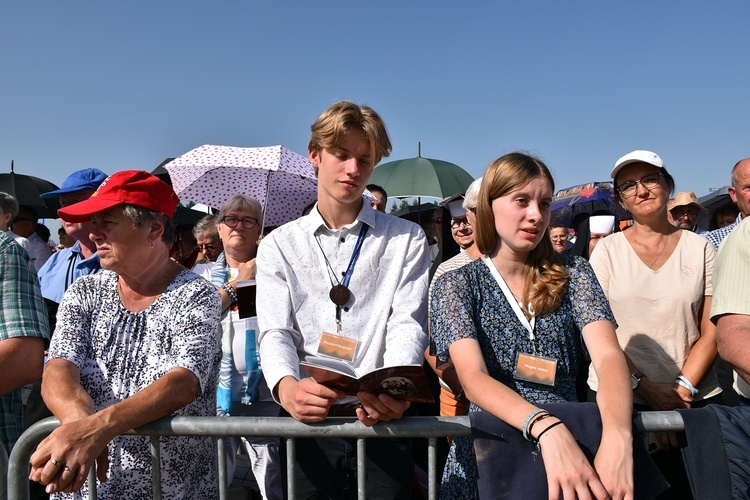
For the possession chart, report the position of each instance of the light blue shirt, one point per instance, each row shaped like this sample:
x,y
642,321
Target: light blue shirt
x,y
63,268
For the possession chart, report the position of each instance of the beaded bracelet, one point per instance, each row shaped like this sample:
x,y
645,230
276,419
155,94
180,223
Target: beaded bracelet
x,y
525,428
231,293
684,382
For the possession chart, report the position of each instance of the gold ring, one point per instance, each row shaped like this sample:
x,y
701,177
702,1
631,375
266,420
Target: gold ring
x,y
56,463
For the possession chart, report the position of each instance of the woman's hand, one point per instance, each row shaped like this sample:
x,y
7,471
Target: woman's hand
x,y
63,459
614,464
246,271
568,470
662,397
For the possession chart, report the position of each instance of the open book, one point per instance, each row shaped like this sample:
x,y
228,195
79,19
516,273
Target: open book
x,y
406,382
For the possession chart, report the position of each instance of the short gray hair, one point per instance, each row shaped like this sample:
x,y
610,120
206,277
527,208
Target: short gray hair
x,y
241,203
207,223
140,217
472,194
8,204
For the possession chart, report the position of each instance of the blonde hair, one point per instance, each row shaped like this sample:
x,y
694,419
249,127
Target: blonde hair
x,y
335,123
545,277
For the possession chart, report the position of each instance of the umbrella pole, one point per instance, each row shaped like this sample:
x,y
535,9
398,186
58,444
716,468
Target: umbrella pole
x,y
419,210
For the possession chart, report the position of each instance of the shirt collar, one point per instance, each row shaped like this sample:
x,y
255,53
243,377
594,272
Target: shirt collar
x,y
366,215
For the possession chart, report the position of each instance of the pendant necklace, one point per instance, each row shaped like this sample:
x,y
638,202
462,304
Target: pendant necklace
x,y
663,246
340,293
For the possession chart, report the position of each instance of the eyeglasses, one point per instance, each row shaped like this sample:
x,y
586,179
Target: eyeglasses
x,y
629,188
456,223
204,246
679,213
247,223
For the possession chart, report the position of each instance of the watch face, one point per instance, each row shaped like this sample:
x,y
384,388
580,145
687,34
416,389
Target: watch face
x,y
633,382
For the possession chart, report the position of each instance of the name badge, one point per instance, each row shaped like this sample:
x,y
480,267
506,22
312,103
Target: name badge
x,y
337,346
535,369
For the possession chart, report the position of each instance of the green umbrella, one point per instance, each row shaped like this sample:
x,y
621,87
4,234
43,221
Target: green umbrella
x,y
416,177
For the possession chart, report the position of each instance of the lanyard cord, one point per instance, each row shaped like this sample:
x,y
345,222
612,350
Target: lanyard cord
x,y
352,261
349,269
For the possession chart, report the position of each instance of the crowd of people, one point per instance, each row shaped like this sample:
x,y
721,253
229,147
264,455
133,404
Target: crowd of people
x,y
122,325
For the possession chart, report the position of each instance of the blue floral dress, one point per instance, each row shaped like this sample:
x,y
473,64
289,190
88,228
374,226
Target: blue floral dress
x,y
468,303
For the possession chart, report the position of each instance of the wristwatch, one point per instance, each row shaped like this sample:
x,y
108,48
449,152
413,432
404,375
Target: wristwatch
x,y
635,379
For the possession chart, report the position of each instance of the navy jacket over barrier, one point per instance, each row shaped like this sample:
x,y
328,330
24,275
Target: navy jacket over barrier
x,y
507,469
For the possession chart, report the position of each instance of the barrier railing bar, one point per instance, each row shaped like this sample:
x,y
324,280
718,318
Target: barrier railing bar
x,y
288,429
156,467
92,482
432,468
361,471
223,480
291,460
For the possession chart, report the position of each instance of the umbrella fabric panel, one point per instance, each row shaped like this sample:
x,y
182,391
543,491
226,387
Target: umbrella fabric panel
x,y
283,181
216,186
289,194
209,156
416,177
585,198
27,188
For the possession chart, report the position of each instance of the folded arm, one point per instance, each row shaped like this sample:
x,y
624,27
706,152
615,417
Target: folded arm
x,y
84,435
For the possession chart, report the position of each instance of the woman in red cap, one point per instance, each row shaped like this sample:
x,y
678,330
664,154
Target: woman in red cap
x,y
134,343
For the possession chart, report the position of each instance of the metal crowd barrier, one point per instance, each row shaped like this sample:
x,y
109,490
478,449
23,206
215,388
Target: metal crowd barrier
x,y
289,429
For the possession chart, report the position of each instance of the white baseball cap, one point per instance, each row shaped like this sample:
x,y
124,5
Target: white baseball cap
x,y
637,156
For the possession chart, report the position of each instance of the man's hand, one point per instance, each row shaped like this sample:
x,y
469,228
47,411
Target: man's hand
x,y
306,400
381,407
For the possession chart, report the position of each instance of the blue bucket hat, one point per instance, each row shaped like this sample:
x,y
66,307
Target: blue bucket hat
x,y
88,178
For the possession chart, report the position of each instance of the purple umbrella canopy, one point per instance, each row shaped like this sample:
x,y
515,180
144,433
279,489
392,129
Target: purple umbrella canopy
x,y
585,198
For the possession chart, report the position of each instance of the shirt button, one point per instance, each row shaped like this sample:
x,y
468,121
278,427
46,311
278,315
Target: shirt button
x,y
342,240
346,309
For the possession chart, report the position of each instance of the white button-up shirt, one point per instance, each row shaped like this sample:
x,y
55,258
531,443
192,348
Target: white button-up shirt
x,y
387,311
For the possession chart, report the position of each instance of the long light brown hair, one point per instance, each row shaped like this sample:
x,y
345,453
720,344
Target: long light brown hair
x,y
545,276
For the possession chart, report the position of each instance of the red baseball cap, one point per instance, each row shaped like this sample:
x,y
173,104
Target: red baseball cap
x,y
134,187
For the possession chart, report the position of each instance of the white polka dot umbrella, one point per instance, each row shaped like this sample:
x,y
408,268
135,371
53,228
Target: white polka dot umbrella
x,y
281,180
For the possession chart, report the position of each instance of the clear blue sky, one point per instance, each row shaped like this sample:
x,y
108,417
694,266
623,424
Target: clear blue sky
x,y
123,85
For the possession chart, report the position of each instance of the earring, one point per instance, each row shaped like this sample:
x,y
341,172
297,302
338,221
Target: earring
x,y
152,244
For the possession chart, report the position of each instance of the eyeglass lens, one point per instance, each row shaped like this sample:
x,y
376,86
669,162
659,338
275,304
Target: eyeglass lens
x,y
456,223
248,223
649,182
